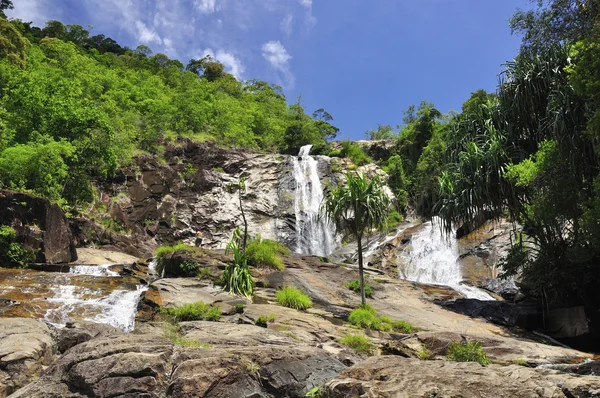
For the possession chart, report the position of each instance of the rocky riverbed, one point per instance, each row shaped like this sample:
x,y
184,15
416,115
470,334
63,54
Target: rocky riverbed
x,y
296,352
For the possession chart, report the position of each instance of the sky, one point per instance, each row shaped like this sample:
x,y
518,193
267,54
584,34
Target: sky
x,y
363,61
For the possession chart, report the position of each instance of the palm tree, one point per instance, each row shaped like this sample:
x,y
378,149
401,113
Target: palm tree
x,y
357,207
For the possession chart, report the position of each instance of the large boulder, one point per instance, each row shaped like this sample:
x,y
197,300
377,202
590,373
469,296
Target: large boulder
x,y
26,347
41,226
393,376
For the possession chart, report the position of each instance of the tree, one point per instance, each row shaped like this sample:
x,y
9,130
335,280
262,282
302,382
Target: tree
x,y
357,207
383,132
12,45
5,5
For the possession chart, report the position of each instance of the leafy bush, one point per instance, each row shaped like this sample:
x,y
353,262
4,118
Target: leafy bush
x,y
394,218
178,266
236,276
264,319
293,298
12,253
239,308
467,351
355,152
198,311
266,253
366,317
355,287
361,344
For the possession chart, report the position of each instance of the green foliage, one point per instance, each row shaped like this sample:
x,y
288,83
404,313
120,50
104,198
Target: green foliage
x,y
360,343
383,132
98,103
424,354
263,320
172,332
467,351
198,311
239,308
236,276
293,298
355,287
314,392
12,253
175,265
394,218
266,253
366,317
354,152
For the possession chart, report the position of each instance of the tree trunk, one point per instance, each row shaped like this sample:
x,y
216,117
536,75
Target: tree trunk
x,y
360,271
245,240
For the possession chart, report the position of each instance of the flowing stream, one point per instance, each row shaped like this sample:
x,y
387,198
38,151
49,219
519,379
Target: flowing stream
x,y
87,292
434,260
314,233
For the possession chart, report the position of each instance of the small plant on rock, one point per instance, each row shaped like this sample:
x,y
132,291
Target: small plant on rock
x,y
266,253
359,343
198,311
355,287
263,320
467,351
13,253
236,276
366,317
293,298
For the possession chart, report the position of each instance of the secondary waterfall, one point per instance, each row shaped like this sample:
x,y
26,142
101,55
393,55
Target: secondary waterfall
x,y
314,233
434,260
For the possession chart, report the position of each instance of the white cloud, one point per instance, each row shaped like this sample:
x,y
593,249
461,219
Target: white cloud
x,y
232,63
287,24
306,3
37,11
279,59
206,6
145,35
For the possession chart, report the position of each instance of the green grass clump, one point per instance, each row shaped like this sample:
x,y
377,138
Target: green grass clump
x,y
264,319
359,343
12,253
266,253
424,354
239,308
467,351
198,311
355,287
394,218
355,152
293,298
187,267
366,317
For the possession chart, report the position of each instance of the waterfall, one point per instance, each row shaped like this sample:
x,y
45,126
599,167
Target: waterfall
x,y
434,260
93,270
314,233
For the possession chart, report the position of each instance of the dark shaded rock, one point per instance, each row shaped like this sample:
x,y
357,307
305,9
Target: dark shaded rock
x,y
41,226
75,333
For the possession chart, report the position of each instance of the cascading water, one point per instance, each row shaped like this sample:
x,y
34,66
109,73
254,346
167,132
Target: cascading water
x,y
434,260
314,232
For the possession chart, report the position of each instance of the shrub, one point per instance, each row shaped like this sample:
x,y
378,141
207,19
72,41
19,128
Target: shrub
x,y
13,253
264,319
424,354
359,343
366,317
355,287
178,266
393,220
266,253
239,308
467,351
355,152
198,311
293,298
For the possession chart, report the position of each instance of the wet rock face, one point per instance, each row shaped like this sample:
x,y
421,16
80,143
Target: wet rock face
x,y
401,377
41,226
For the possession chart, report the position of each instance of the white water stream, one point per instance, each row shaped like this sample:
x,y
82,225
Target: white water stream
x,y
314,232
434,260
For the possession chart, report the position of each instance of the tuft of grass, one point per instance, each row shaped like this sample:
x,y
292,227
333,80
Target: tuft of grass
x,y
424,354
266,253
172,332
186,266
366,317
293,298
252,367
239,308
264,319
198,311
394,218
355,287
360,343
521,362
315,392
467,351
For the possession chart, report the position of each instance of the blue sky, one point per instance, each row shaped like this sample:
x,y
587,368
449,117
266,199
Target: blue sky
x,y
363,61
